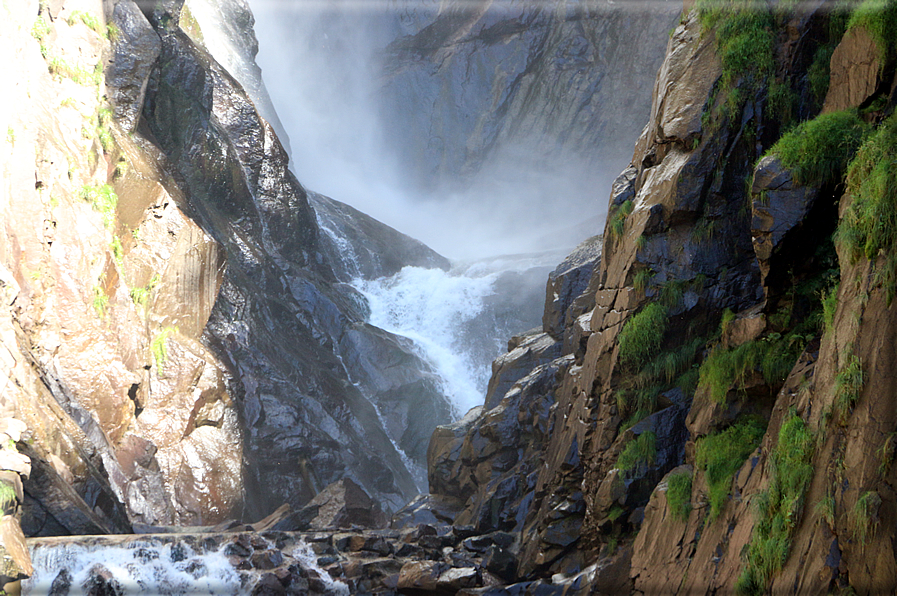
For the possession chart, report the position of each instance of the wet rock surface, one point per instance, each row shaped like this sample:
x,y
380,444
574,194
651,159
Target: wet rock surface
x,y
327,421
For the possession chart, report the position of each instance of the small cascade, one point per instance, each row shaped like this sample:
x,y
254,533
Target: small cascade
x,y
169,564
460,319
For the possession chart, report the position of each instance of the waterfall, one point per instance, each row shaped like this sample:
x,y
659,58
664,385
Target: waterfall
x,y
460,319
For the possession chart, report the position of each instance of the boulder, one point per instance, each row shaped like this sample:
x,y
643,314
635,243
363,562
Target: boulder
x,y
15,560
344,504
536,348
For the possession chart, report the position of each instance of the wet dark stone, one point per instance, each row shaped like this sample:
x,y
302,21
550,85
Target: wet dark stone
x,y
100,582
268,559
269,585
178,552
501,562
61,583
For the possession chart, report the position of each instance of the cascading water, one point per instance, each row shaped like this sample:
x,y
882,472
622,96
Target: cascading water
x,y
190,564
459,319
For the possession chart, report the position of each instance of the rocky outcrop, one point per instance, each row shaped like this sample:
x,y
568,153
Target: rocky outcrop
x,y
360,246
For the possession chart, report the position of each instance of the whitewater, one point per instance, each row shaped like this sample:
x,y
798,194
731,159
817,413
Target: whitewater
x,y
457,320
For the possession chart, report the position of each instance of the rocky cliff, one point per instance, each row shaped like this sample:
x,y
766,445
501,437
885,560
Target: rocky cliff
x,y
717,420
705,409
176,337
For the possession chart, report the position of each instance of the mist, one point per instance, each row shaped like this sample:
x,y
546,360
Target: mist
x,y
425,144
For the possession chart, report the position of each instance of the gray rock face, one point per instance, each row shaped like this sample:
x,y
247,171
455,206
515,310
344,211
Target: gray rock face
x,y
556,82
135,49
225,29
778,205
568,282
303,364
358,245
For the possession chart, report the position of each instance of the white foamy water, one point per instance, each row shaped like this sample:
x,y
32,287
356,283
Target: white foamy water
x,y
151,566
431,307
140,567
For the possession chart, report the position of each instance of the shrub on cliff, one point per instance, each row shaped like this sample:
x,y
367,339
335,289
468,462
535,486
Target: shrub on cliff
x,y
679,494
745,42
879,18
818,151
869,226
779,507
721,454
642,334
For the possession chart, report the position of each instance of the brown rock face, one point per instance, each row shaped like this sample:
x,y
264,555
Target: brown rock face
x,y
856,70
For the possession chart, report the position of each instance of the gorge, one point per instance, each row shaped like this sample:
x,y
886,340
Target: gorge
x,y
218,377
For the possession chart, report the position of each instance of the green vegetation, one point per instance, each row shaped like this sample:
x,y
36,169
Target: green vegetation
x,y
617,221
10,135
722,454
615,513
112,32
159,349
869,225
848,386
818,74
8,499
640,451
679,494
865,516
886,454
818,151
642,335
79,16
829,306
118,254
140,295
745,40
104,132
773,356
100,301
103,199
59,67
779,507
39,31
641,279
826,509
879,18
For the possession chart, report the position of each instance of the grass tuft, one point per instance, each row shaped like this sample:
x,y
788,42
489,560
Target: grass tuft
x,y
100,302
80,16
879,18
868,228
722,454
642,334
679,494
779,507
745,42
103,199
641,451
848,386
865,516
159,349
818,151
